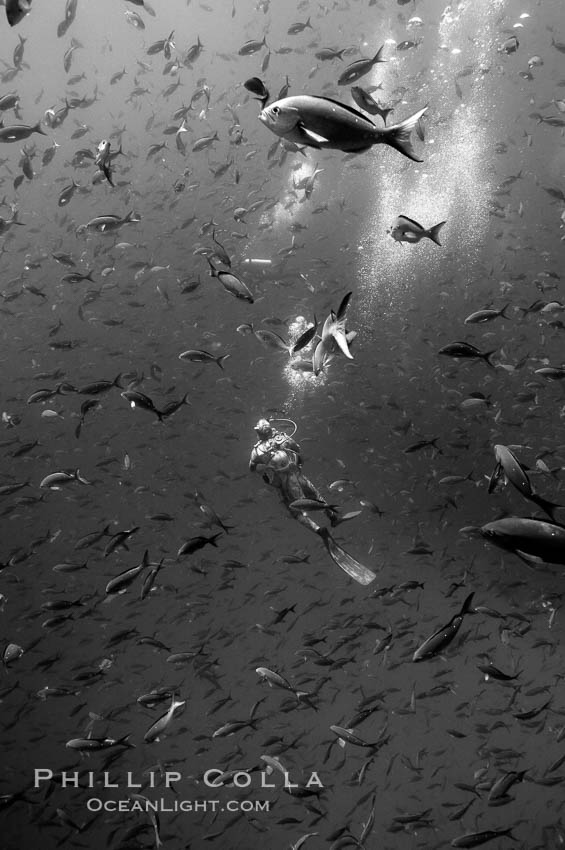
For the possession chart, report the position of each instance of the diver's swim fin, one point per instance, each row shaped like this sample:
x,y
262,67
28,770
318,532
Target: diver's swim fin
x,y
345,561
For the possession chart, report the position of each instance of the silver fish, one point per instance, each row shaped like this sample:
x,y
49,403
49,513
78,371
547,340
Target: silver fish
x,y
321,122
359,68
535,541
407,230
17,132
443,637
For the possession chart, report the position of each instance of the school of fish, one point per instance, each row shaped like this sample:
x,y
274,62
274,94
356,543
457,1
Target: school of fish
x,y
185,220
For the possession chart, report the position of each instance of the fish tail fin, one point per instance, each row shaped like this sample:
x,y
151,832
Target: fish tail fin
x,y
124,741
80,478
434,233
302,696
219,360
37,129
339,53
504,309
466,607
398,136
486,357
494,478
342,309
546,505
377,56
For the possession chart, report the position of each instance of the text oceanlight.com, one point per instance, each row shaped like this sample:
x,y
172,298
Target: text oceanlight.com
x,y
95,804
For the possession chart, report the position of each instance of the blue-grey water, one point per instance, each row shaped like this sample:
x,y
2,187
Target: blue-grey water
x,y
76,658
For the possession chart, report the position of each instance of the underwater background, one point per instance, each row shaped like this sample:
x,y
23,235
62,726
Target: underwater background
x,y
434,736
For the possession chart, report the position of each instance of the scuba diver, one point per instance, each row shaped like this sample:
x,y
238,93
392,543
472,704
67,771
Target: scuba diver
x,y
279,458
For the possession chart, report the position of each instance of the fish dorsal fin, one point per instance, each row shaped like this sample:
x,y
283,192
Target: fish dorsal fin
x,y
344,106
377,57
410,221
341,310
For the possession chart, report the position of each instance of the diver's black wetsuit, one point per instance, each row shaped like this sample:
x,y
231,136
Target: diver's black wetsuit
x,y
278,457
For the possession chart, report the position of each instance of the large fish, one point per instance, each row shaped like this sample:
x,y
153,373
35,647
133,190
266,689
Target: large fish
x,y
407,230
507,464
533,540
439,640
321,122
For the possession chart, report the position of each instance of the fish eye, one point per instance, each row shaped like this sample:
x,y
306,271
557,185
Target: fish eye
x,y
275,110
